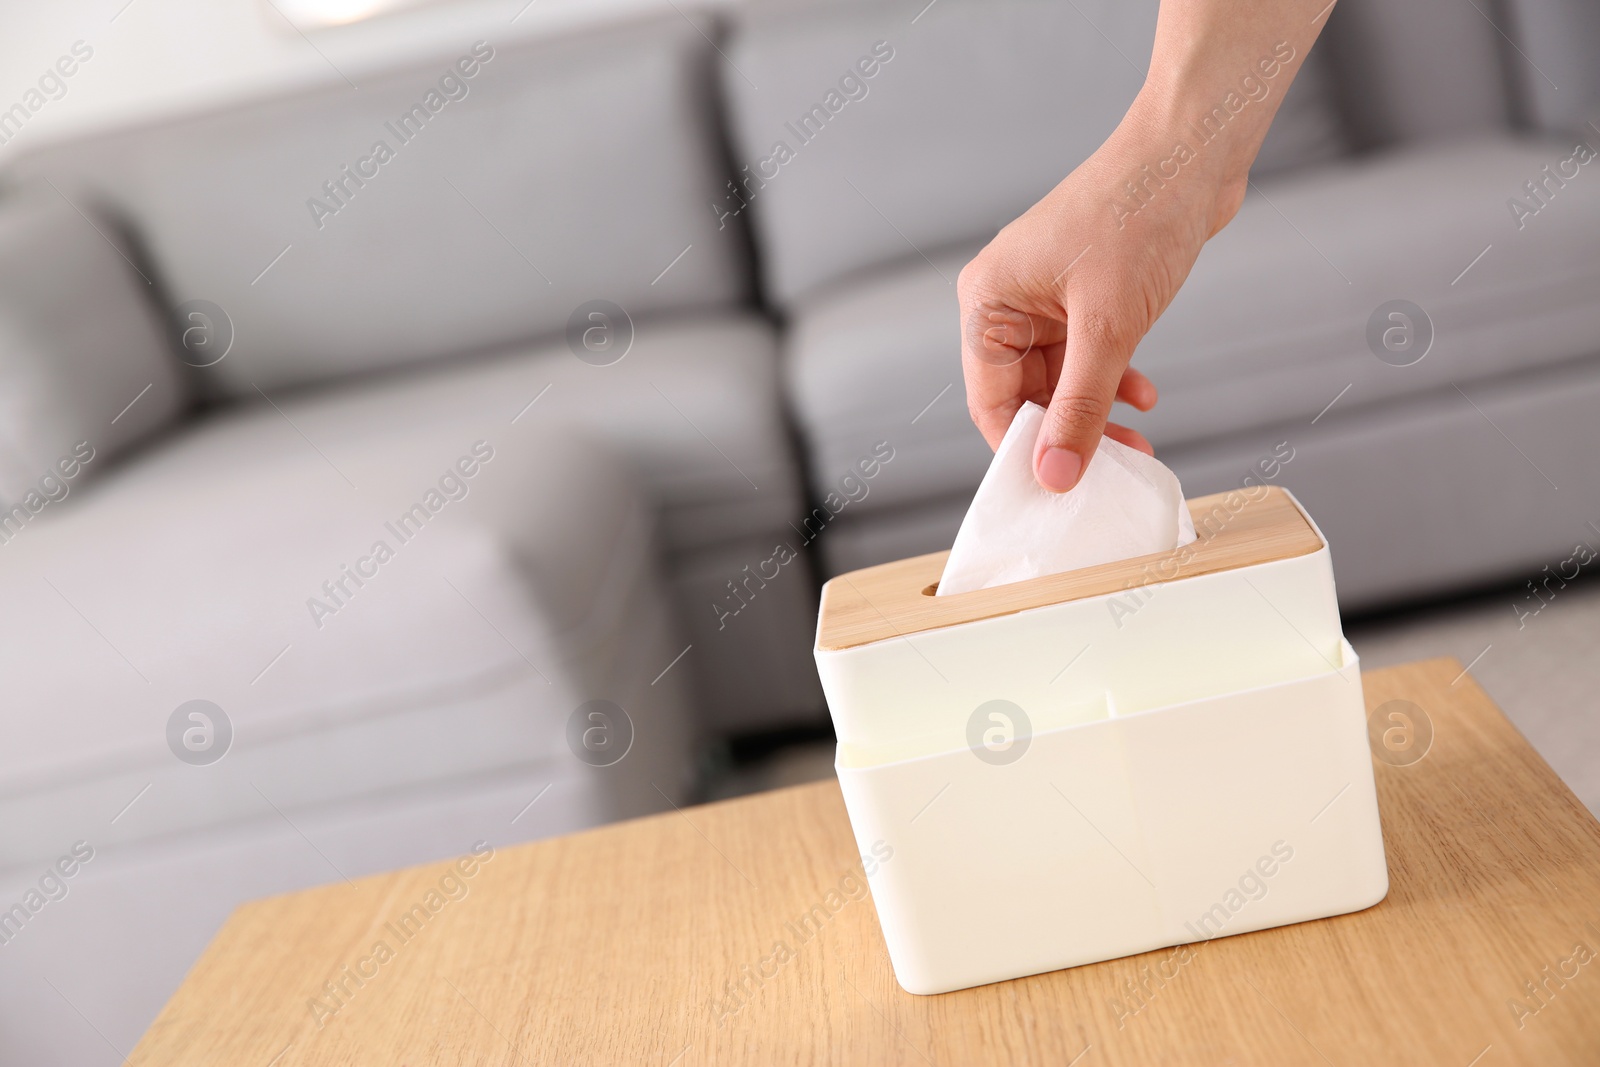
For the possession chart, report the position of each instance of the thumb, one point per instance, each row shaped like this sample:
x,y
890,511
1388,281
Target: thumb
x,y
1097,354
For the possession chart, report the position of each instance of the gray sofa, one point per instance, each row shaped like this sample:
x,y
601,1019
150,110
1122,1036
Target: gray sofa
x,y
260,346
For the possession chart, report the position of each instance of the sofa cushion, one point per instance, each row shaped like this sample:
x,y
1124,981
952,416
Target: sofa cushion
x,y
555,174
1274,323
1491,485
85,367
1271,324
907,156
394,606
694,406
879,359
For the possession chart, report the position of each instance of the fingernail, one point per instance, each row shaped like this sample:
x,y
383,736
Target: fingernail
x,y
1059,469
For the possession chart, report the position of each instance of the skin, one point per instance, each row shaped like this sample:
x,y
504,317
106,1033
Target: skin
x,y
1053,308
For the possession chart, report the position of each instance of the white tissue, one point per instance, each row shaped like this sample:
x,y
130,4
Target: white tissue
x,y
1126,504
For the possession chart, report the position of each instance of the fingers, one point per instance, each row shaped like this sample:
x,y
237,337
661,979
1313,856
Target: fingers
x,y
1007,357
1093,372
1004,338
1005,334
1136,390
1132,438
1076,364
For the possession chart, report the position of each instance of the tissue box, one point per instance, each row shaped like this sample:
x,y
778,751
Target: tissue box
x,y
1103,762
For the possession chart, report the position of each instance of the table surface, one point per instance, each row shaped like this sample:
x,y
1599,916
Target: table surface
x,y
618,945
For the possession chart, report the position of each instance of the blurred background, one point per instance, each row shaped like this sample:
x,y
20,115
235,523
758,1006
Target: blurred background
x,y
430,421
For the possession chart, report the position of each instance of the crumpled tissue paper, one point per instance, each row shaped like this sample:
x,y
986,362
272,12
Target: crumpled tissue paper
x,y
1127,504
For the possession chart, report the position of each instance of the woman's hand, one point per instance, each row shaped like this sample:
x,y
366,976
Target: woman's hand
x,y
1053,307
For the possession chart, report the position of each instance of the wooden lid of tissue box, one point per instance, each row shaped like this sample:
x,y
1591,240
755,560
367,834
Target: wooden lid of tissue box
x,y
1240,528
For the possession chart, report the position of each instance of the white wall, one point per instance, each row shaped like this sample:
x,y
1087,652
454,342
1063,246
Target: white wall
x,y
159,57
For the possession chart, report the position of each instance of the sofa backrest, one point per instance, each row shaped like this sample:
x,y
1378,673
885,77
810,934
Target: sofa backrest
x,y
1410,71
1557,69
873,132
452,206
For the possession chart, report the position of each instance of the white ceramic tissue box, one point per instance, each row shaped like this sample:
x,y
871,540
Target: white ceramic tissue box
x,y
1107,761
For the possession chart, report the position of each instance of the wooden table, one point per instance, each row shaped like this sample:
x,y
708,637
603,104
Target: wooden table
x,y
622,945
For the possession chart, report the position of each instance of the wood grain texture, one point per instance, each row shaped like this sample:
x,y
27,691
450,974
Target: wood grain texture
x,y
894,599
614,947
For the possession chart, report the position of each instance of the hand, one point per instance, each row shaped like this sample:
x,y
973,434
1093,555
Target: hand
x,y
1053,307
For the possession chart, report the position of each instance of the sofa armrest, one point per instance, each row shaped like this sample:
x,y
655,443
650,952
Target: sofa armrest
x,y
85,365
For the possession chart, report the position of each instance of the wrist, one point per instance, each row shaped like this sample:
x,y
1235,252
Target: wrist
x,y
1163,167
1208,116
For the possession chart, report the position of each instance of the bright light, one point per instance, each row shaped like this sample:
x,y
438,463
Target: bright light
x,y
314,13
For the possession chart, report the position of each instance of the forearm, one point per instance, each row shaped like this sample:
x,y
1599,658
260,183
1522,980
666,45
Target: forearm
x,y
1218,73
